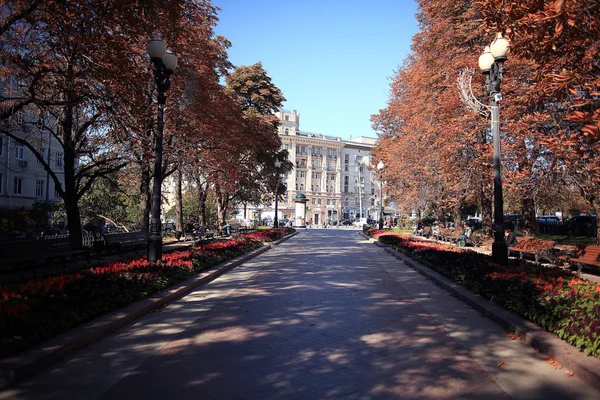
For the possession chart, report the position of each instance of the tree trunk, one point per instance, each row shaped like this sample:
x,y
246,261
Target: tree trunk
x,y
179,202
596,207
70,195
528,213
457,217
145,198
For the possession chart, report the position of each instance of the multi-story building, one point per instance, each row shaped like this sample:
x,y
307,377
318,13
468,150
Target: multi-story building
x,y
326,170
23,179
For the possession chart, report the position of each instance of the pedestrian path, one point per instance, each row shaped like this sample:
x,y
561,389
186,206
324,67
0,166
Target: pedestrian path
x,y
325,314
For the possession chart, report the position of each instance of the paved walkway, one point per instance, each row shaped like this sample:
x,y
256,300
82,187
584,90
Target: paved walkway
x,y
323,315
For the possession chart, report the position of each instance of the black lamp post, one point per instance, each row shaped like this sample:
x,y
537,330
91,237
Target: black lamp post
x,y
491,63
276,219
380,166
165,63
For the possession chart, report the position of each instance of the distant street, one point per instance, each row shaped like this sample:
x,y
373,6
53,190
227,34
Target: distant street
x,y
325,314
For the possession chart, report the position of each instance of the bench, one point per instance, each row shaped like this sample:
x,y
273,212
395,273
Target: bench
x,y
442,234
540,249
454,235
126,239
590,256
19,252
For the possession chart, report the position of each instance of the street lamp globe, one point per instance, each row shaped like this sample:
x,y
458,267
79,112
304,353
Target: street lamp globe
x,y
157,49
499,48
170,61
277,164
486,59
380,165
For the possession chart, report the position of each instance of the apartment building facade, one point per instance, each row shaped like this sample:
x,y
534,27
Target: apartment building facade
x,y
23,179
327,171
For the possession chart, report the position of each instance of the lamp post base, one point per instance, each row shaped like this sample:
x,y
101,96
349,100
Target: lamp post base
x,y
500,252
154,248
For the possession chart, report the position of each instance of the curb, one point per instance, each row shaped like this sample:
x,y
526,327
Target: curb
x,y
586,368
26,365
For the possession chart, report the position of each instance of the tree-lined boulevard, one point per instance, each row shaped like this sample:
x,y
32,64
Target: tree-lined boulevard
x,y
324,314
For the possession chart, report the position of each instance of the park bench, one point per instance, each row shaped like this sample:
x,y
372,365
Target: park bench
x,y
211,231
441,233
540,249
21,252
454,235
426,232
235,227
590,256
125,240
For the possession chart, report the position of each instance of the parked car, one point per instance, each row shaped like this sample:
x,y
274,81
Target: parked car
x,y
346,222
474,223
361,222
583,225
544,219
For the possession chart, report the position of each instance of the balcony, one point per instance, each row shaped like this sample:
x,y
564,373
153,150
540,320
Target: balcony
x,y
301,166
319,155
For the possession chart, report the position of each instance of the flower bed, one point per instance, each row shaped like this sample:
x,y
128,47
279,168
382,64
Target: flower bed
x,y
269,235
550,297
40,309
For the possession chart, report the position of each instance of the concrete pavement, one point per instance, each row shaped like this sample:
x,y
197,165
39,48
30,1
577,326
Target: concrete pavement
x,y
323,315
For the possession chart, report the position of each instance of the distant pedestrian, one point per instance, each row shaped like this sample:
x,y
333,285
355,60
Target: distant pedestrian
x,y
389,223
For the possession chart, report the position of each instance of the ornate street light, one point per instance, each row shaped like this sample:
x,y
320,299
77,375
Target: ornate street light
x,y
491,63
277,166
165,63
380,166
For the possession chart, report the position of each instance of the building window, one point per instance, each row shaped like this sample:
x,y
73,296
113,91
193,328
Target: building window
x,y
312,188
301,186
39,188
372,202
42,152
346,158
287,117
319,201
287,131
313,201
328,202
332,177
317,187
18,185
286,146
333,202
372,190
20,117
19,153
59,159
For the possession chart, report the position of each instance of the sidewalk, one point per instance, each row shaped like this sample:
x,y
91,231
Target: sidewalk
x,y
585,367
29,363
325,315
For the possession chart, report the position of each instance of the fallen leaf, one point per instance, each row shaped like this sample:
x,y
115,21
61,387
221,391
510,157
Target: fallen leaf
x,y
501,363
570,373
512,336
553,362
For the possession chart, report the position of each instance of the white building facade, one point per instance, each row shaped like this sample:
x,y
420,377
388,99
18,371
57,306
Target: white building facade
x,y
326,171
23,179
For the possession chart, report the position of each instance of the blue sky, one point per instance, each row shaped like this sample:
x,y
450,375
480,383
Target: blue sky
x,y
332,59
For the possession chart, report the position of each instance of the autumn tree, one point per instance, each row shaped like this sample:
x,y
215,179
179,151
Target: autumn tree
x,y
72,57
561,38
